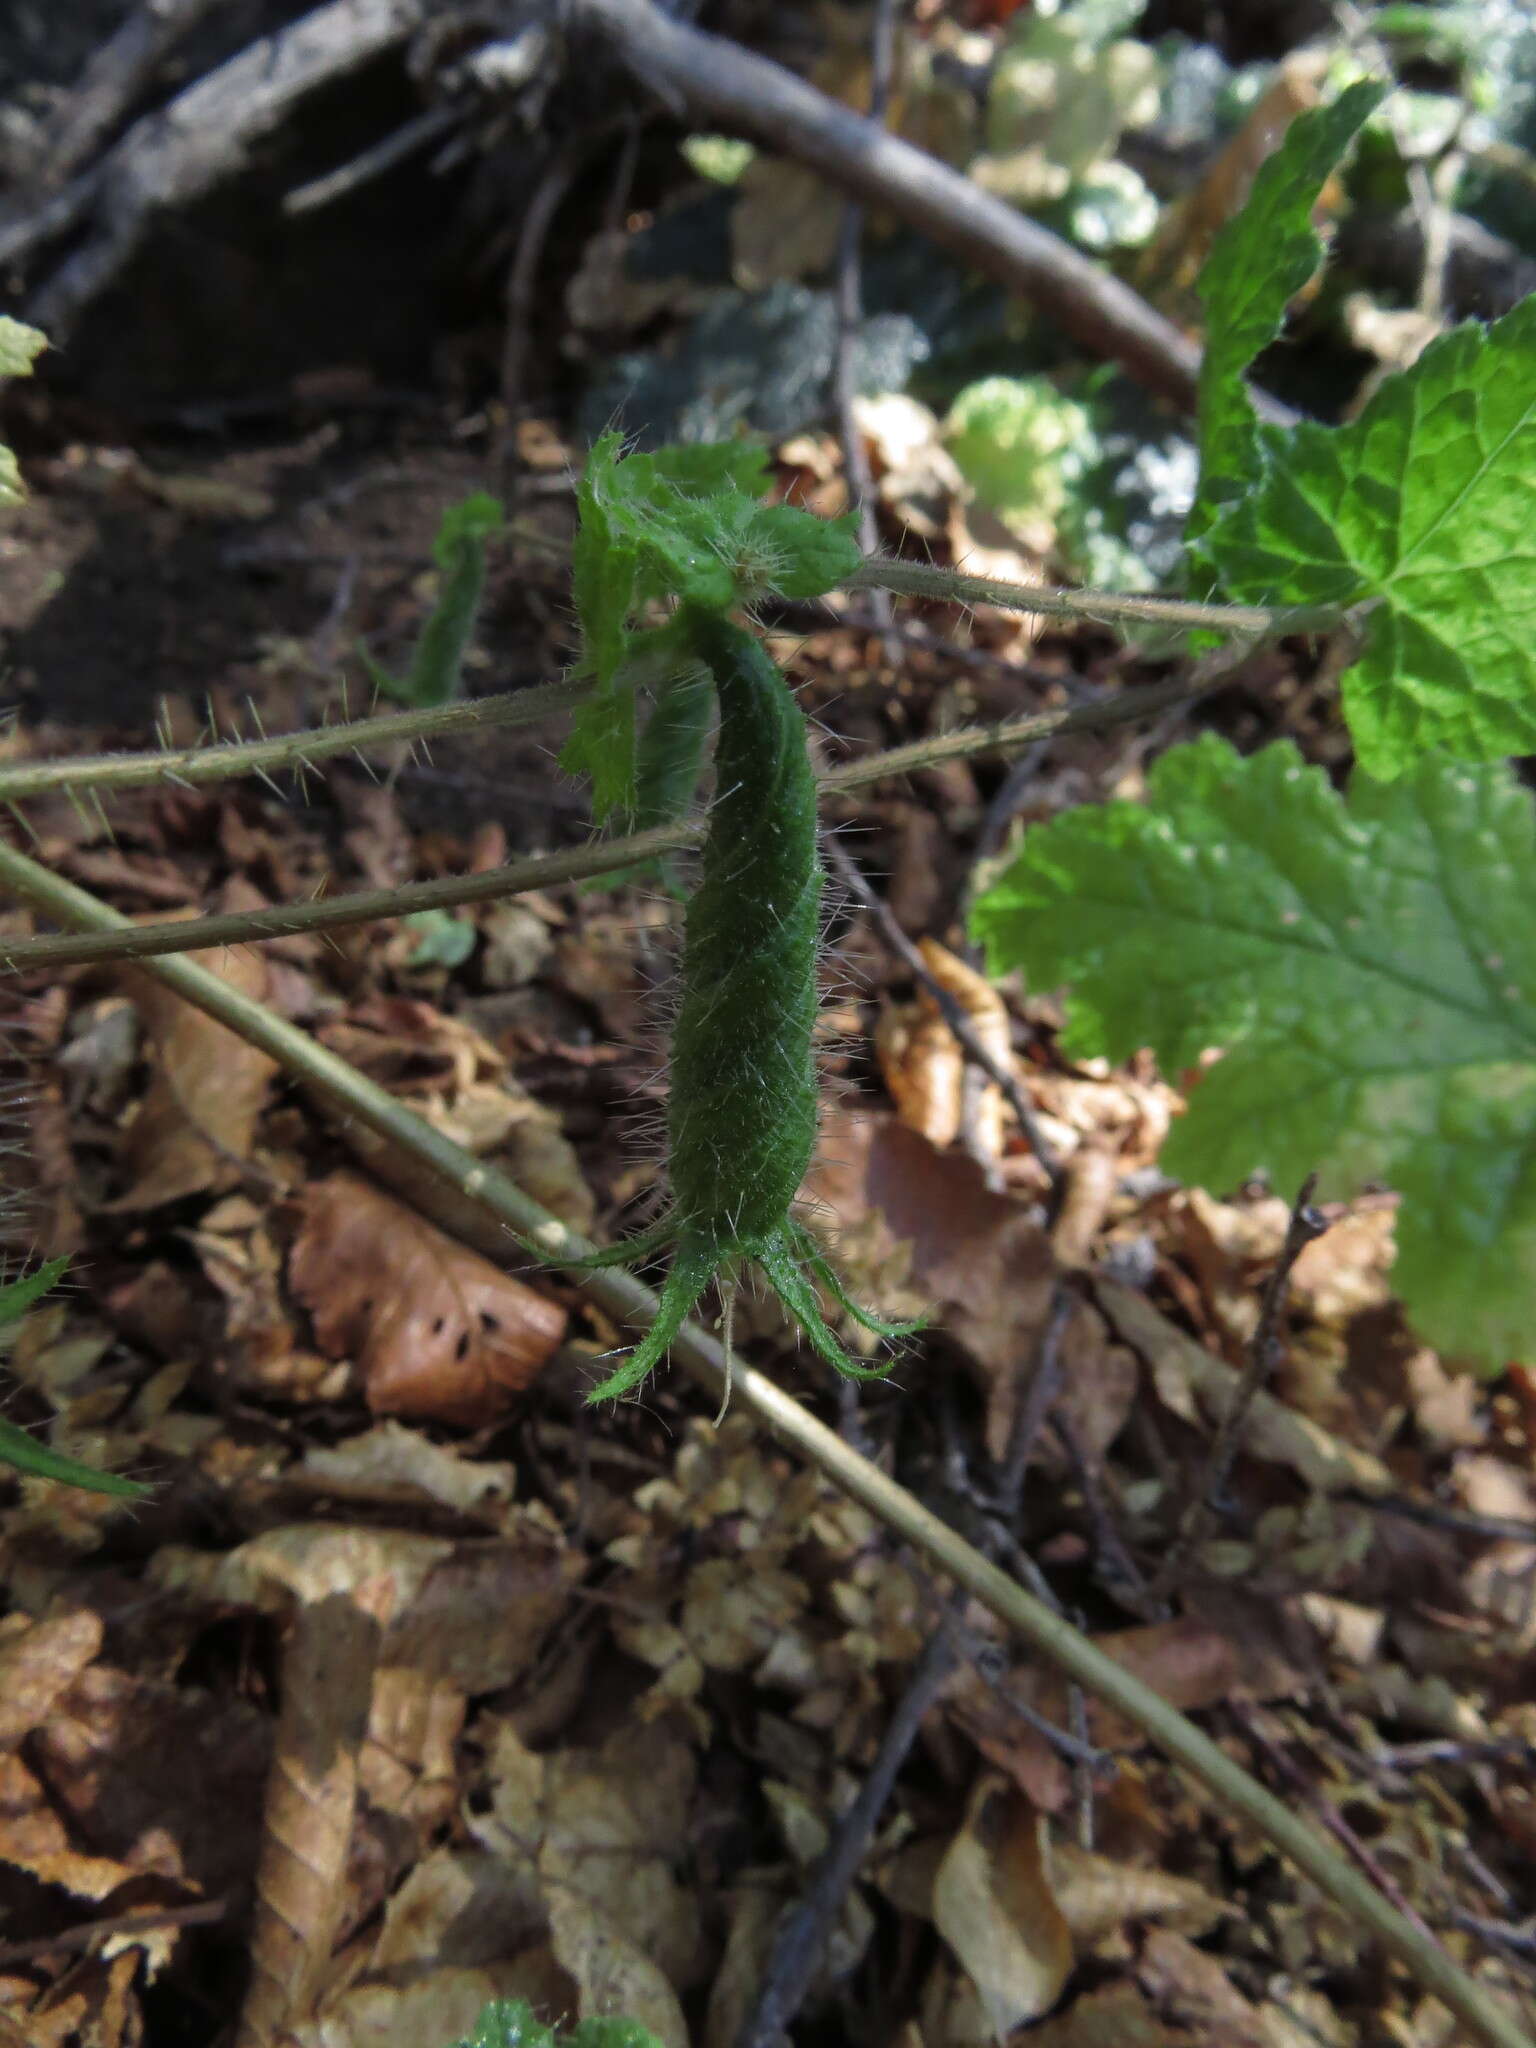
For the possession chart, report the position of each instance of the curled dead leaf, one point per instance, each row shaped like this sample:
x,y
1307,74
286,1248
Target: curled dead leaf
x,y
435,1330
197,1122
994,1906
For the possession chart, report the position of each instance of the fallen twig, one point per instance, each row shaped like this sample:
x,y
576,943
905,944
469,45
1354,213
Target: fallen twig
x,y
1264,1352
205,135
706,74
848,873
803,1936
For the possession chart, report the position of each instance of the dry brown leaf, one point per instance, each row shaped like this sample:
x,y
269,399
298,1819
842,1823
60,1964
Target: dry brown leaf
x,y
197,1122
1191,1988
301,1894
993,1904
734,1610
613,1972
977,1261
92,2003
1117,2016
1098,1896
609,1827
976,1258
34,1839
407,1767
459,1908
430,2009
922,1063
1198,1387
1191,1662
390,1463
923,1069
443,1590
163,1777
1190,226
435,1330
39,1662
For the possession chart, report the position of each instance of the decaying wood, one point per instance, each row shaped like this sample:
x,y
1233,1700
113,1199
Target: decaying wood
x,y
707,75
206,134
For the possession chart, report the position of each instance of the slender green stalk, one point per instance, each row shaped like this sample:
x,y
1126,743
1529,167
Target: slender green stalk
x,y
197,765
203,764
604,856
1103,607
350,1095
329,913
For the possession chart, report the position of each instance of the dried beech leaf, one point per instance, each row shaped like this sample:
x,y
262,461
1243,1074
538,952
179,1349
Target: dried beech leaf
x,y
438,2007
993,1904
1098,1895
39,1665
924,1069
301,1893
197,1122
987,1014
1194,1384
435,1330
614,1973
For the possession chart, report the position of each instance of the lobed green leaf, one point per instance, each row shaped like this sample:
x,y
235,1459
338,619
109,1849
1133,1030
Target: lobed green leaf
x,y
1368,969
1423,504
1259,262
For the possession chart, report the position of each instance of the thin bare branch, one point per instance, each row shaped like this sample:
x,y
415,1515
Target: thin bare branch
x,y
1099,607
606,856
191,767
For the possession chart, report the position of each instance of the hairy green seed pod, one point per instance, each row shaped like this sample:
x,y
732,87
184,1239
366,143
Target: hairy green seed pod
x,y
743,1110
742,1118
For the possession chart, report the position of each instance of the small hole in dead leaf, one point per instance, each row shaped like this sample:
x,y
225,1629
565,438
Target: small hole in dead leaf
x,y
1366,1821
461,1349
488,1322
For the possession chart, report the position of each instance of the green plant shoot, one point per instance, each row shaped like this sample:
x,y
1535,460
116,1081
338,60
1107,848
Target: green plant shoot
x,y
20,347
437,664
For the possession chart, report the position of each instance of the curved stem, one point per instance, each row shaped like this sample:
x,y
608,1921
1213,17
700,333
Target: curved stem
x,y
1102,607
193,766
605,856
351,1095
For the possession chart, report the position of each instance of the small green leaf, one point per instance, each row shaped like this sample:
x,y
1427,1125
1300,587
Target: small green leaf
x,y
608,2030
1423,502
702,469
720,158
438,661
507,2023
443,940
601,746
1368,969
789,552
1260,260
473,521
1020,444
17,1296
20,347
604,563
25,1454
